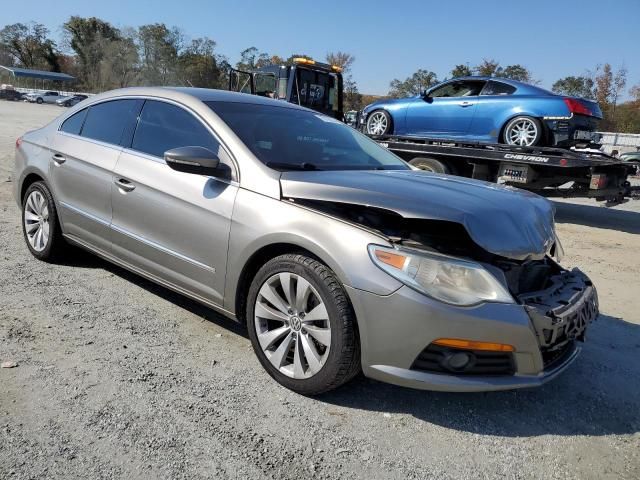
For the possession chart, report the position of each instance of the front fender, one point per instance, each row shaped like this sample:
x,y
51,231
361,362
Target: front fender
x,y
260,221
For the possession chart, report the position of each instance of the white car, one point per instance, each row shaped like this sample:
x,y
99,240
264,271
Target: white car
x,y
46,97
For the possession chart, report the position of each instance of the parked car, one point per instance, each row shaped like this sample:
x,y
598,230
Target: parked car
x,y
630,156
70,101
487,109
334,252
7,92
46,97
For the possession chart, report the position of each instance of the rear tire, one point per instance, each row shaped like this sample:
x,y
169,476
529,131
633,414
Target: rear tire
x,y
431,165
40,225
523,131
39,101
310,307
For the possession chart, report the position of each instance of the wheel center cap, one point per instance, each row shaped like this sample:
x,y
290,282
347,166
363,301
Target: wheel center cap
x,y
295,323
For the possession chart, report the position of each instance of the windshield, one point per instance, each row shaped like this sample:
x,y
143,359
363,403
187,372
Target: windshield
x,y
286,138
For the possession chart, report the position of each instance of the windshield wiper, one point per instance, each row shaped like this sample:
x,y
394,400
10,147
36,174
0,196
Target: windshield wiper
x,y
292,166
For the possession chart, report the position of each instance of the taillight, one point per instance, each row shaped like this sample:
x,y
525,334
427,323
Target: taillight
x,y
576,106
18,142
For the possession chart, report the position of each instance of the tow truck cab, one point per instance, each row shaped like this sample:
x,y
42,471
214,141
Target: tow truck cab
x,y
318,86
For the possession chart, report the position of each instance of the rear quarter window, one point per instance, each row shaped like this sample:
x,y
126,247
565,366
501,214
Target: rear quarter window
x,y
73,124
498,88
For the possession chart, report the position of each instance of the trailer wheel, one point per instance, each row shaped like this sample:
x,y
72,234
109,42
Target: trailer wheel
x,y
431,165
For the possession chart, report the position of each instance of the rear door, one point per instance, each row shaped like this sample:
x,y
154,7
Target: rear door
x,y
85,151
447,112
172,225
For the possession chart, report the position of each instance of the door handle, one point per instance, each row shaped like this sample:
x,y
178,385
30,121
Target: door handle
x,y
59,159
125,185
465,104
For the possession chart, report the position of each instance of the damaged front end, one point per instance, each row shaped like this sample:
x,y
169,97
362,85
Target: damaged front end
x,y
561,313
560,303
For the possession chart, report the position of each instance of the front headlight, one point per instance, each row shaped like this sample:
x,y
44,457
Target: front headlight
x,y
450,280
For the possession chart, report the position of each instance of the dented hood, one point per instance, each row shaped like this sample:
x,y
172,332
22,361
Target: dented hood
x,y
502,220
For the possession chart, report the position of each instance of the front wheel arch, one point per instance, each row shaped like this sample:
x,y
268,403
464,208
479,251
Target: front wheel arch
x,y
389,117
255,262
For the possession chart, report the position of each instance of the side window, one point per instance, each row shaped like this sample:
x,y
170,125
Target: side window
x,y
163,126
465,88
73,124
497,88
108,121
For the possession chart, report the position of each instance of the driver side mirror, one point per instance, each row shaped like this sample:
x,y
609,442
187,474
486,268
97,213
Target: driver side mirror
x,y
198,160
426,96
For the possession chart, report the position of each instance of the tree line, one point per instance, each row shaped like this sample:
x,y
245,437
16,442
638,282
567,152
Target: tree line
x,y
103,57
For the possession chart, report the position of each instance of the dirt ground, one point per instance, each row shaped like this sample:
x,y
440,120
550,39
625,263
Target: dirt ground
x,y
119,378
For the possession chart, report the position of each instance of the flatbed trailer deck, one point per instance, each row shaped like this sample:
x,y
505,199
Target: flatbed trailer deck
x,y
547,171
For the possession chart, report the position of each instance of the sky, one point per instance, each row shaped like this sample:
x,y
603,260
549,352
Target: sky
x,y
389,39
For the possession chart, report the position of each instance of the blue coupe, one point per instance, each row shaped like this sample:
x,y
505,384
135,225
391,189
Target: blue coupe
x,y
486,109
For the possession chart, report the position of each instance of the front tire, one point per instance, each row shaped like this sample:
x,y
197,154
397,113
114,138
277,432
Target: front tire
x,y
39,101
302,326
523,131
378,123
40,226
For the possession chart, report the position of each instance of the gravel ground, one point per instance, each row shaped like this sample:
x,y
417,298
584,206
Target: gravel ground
x,y
119,378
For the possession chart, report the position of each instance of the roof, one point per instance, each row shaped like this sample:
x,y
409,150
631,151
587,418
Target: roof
x,y
202,94
523,86
41,74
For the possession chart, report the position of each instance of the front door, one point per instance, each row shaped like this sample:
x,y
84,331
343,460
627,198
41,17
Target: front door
x,y
446,112
172,225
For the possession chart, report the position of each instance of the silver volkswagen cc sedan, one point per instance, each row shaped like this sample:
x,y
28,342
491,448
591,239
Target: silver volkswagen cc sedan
x,y
337,256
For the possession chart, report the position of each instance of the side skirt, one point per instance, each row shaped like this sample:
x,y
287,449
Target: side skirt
x,y
110,258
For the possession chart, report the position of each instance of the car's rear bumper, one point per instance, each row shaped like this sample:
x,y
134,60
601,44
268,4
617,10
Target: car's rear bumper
x,y
572,130
397,329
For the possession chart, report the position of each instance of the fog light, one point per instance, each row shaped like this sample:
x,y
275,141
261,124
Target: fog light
x,y
458,361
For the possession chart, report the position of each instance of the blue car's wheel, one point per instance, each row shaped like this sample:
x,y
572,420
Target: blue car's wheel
x,y
378,123
523,131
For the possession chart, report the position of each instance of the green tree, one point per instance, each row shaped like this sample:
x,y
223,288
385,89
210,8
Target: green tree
x,y
159,48
488,68
89,39
352,97
515,72
251,58
461,70
413,85
199,64
28,45
580,86
120,65
609,86
343,60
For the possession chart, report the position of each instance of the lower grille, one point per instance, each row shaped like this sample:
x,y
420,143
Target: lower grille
x,y
433,359
552,358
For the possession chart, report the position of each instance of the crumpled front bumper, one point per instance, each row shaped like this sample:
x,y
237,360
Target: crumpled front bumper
x,y
395,329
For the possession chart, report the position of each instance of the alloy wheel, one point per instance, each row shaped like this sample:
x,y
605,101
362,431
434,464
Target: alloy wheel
x,y
292,325
377,123
523,132
36,221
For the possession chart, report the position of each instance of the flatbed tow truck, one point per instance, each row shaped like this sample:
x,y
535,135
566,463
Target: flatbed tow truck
x,y
582,171
549,171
